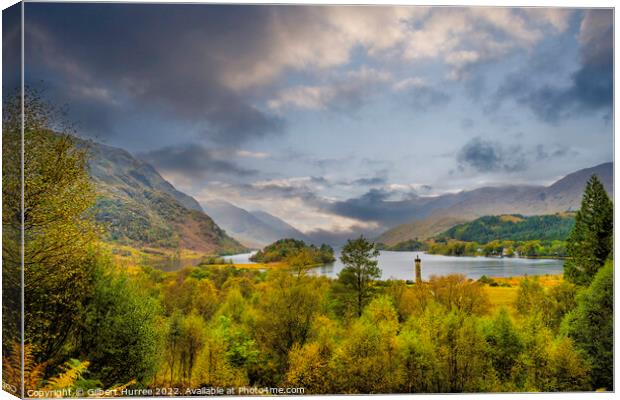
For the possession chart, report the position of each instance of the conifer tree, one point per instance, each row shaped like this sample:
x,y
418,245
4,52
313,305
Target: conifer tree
x,y
591,241
591,326
359,258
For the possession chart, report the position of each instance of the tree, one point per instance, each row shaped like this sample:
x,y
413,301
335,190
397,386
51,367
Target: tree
x,y
359,257
505,344
118,334
308,368
191,343
173,340
368,359
213,367
287,308
591,326
590,242
455,291
301,262
309,364
451,350
532,299
547,364
59,235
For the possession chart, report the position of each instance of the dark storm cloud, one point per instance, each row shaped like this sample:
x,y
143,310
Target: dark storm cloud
x,y
150,59
591,86
11,49
488,156
194,161
376,206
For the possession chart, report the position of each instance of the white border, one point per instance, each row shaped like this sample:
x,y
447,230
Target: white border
x,y
532,3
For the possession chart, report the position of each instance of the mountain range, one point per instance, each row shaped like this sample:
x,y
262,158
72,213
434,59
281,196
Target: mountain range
x,y
439,213
138,207
254,229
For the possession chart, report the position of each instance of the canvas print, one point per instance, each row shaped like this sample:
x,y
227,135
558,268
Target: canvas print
x,y
205,199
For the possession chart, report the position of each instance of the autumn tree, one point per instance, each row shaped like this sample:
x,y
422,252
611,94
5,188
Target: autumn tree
x,y
309,365
451,350
548,364
591,241
301,261
368,359
287,308
505,345
455,291
360,269
59,256
192,341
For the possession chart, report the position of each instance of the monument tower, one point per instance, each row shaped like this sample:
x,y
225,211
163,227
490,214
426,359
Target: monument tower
x,y
418,269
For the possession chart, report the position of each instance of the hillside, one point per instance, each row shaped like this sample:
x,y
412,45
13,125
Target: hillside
x,y
254,229
140,208
451,209
512,227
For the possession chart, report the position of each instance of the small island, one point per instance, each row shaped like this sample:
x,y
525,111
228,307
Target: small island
x,y
285,249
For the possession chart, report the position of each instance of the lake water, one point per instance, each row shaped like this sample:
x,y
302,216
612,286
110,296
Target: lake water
x,y
400,265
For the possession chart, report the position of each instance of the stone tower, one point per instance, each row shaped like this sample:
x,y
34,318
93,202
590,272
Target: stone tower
x,y
418,269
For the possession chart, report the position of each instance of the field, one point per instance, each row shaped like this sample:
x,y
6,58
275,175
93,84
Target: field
x,y
505,296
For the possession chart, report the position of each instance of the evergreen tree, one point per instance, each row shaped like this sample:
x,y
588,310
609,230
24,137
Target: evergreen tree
x,y
591,240
359,258
591,326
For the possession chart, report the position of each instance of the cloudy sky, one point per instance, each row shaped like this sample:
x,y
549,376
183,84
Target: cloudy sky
x,y
312,113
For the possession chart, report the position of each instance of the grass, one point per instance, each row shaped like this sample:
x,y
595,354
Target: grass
x,y
503,296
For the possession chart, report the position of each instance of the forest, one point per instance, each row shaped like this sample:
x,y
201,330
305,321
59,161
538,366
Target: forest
x,y
93,327
513,227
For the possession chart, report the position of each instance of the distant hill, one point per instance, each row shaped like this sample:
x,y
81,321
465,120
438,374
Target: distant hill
x,y
139,207
512,227
451,209
255,229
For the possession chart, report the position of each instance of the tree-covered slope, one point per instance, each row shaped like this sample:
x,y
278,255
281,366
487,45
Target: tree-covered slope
x,y
512,227
137,206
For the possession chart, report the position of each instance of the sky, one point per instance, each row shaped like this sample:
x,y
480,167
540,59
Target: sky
x,y
325,115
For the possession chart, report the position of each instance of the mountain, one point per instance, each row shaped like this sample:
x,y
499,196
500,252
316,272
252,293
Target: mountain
x,y
285,230
443,212
254,229
138,207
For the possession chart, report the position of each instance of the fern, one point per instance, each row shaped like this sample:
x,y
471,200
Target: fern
x,y
73,371
11,368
